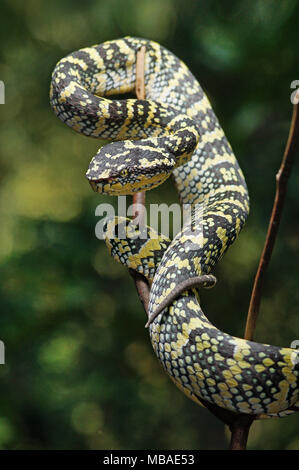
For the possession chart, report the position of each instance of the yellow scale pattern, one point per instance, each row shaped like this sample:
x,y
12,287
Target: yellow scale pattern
x,y
174,131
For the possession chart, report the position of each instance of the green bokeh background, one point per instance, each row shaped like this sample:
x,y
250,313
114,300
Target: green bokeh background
x,y
80,372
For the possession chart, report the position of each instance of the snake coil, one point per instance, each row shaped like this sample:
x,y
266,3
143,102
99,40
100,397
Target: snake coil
x,y
174,132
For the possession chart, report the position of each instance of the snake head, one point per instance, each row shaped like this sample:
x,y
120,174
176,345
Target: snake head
x,y
125,167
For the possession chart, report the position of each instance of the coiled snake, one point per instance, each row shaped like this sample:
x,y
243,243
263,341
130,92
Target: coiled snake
x,y
174,131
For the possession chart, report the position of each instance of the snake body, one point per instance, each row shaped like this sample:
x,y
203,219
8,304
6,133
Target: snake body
x,y
174,131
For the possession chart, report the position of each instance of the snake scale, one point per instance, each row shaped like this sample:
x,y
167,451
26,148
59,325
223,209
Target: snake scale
x,y
174,132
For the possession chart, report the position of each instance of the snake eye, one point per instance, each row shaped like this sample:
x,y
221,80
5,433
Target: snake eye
x,y
124,173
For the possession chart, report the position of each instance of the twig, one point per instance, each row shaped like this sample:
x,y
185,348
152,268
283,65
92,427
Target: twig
x,y
239,431
141,283
281,188
140,66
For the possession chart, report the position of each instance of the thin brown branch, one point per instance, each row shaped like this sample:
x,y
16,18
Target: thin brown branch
x,y
281,189
239,431
141,283
140,67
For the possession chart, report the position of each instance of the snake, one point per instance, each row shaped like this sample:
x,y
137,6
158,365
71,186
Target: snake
x,y
173,132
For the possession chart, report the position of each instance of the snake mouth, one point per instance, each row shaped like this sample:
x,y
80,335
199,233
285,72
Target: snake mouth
x,y
110,186
106,186
97,186
101,185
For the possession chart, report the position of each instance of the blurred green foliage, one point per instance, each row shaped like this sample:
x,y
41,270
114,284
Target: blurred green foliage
x,y
80,372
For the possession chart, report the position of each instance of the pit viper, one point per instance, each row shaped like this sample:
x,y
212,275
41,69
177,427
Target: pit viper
x,y
174,131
